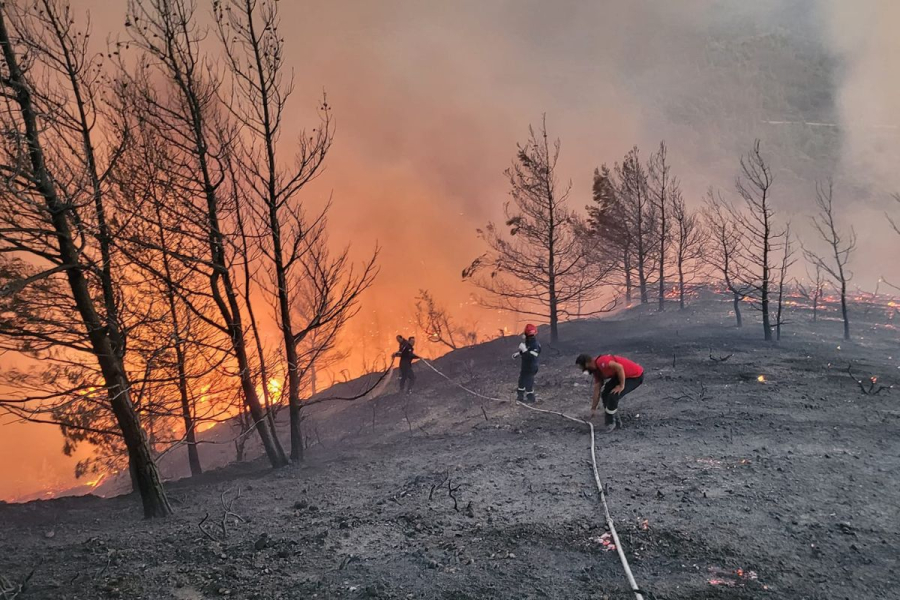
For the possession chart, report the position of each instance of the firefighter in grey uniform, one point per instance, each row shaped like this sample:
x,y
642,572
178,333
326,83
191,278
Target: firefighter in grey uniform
x,y
529,351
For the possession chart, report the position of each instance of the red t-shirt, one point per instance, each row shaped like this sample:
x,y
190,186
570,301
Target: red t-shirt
x,y
632,369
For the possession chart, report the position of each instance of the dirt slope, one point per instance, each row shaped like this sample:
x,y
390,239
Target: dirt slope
x,y
736,489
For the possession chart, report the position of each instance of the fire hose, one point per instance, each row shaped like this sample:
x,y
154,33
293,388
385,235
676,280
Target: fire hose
x,y
609,521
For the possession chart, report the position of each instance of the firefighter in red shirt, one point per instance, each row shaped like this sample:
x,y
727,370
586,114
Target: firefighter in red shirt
x,y
623,376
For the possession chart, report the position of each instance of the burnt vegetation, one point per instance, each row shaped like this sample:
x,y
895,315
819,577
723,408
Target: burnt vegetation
x,y
166,269
146,225
155,218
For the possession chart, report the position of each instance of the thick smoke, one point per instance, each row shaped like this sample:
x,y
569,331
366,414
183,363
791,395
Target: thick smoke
x,y
864,36
431,98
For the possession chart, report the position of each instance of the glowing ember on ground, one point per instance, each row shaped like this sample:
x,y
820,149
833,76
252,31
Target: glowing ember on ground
x,y
726,578
604,540
761,379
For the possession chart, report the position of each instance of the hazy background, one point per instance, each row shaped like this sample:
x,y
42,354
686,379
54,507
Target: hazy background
x,y
430,98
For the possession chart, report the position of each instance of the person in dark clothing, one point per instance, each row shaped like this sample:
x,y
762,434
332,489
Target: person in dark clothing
x,y
407,354
529,350
622,377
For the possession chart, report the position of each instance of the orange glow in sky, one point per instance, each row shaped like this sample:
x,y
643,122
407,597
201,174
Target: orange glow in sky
x,y
430,100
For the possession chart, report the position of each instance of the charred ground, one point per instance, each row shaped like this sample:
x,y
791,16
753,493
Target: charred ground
x,y
722,486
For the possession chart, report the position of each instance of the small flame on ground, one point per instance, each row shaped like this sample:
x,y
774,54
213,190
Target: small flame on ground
x,y
97,481
761,379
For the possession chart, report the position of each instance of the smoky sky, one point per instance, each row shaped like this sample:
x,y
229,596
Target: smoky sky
x,y
431,97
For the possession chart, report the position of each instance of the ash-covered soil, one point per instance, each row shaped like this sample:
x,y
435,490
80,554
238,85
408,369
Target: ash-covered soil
x,y
721,486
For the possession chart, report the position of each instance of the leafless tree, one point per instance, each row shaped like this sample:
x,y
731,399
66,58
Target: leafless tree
x,y
814,291
689,244
787,261
184,357
840,245
175,90
247,267
761,239
724,249
55,211
542,261
439,326
292,242
663,188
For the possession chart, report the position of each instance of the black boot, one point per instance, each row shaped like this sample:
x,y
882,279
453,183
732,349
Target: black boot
x,y
529,397
520,395
610,422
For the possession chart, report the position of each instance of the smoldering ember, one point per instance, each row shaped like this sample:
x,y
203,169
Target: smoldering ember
x,y
420,299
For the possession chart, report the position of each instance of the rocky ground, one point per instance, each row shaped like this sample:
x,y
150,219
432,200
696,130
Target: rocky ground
x,y
721,485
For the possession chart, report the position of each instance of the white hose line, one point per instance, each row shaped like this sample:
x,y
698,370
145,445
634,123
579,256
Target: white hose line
x,y
609,521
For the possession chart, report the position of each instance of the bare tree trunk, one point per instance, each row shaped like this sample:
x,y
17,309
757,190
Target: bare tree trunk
x,y
754,186
554,315
764,289
737,309
628,278
844,313
663,184
180,358
841,247
167,35
188,417
785,265
551,246
642,276
257,338
149,485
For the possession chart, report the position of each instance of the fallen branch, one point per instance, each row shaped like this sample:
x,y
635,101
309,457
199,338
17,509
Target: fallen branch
x,y
228,512
104,569
10,590
434,486
204,531
450,491
693,396
718,359
870,389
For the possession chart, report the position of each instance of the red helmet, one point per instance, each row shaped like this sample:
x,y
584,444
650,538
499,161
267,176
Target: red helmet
x,y
530,330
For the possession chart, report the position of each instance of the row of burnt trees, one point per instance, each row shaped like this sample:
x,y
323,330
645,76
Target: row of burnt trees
x,y
146,215
751,252
642,238
640,224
